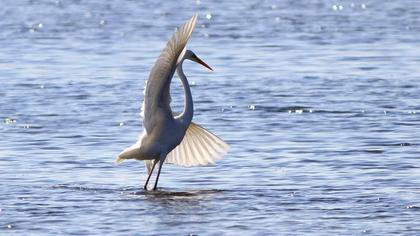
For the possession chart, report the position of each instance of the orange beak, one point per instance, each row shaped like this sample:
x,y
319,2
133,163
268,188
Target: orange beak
x,y
198,60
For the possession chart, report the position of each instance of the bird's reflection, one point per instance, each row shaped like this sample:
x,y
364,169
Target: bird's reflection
x,y
173,202
171,193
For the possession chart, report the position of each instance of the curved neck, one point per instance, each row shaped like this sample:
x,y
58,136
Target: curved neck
x,y
186,116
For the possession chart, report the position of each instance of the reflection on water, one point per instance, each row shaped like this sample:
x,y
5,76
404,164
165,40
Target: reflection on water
x,y
167,193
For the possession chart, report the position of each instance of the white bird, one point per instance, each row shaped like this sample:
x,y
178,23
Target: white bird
x,y
169,137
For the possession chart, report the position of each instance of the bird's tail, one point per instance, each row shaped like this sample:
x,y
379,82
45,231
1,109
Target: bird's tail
x,y
119,160
132,152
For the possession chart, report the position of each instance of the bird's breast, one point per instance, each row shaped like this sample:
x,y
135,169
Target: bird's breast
x,y
165,135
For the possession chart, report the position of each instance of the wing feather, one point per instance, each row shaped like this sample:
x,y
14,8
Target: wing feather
x,y
199,147
196,150
208,144
157,87
207,152
183,154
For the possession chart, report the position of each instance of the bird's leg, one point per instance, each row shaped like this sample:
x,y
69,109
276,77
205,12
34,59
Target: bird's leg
x,y
157,177
150,174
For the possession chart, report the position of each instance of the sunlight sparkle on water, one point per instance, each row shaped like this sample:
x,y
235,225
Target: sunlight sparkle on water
x,y
9,121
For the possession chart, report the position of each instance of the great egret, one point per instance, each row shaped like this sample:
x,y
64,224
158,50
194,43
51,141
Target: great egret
x,y
169,137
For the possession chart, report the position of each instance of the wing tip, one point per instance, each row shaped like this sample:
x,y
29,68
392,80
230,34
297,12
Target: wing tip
x,y
194,17
190,25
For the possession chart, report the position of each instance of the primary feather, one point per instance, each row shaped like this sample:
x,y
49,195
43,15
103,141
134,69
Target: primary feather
x,y
199,147
157,88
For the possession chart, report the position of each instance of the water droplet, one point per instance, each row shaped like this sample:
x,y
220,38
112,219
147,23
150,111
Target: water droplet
x,y
9,226
208,16
121,124
40,25
363,6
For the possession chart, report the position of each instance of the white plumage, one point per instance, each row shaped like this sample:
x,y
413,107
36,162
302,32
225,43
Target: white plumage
x,y
198,147
169,138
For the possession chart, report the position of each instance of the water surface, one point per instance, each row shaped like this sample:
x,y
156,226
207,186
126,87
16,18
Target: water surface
x,y
319,101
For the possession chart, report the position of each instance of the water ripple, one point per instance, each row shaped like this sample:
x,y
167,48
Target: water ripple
x,y
318,100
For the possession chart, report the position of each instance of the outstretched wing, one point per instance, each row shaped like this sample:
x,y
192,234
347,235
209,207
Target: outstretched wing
x,y
199,147
157,87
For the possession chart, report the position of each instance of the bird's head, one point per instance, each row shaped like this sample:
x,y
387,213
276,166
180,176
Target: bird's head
x,y
190,55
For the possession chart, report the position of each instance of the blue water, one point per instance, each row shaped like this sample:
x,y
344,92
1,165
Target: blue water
x,y
319,101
